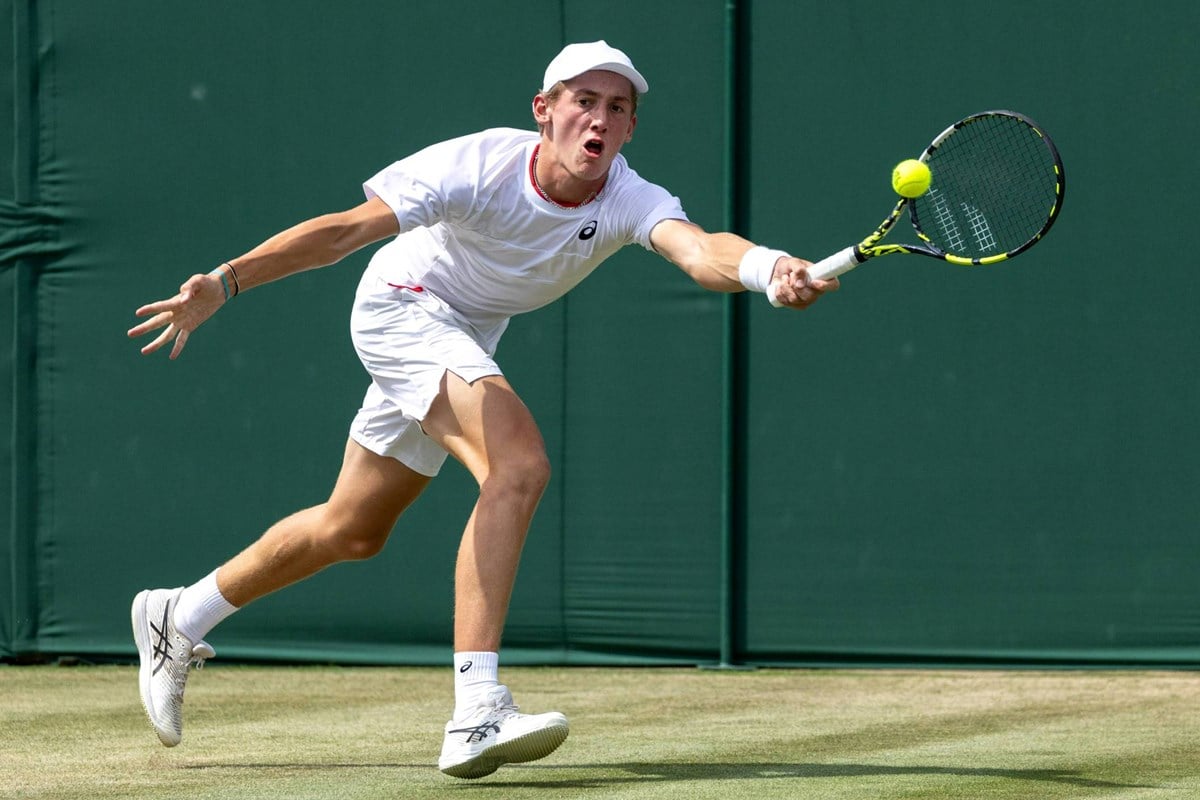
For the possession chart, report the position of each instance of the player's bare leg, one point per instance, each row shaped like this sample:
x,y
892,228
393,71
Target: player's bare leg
x,y
489,429
370,494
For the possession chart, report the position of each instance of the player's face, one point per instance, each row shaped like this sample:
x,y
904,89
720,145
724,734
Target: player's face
x,y
589,122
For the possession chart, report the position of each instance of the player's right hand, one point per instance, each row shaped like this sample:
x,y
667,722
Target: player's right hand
x,y
198,299
794,287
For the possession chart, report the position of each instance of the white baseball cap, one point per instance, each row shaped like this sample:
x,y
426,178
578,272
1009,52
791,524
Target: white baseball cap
x,y
576,59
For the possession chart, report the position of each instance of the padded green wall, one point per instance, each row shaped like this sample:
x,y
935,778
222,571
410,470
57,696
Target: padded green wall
x,y
996,464
938,465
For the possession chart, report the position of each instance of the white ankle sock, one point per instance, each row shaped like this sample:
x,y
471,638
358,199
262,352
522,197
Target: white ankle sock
x,y
201,606
474,674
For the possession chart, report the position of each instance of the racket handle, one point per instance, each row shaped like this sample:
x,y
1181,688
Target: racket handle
x,y
836,264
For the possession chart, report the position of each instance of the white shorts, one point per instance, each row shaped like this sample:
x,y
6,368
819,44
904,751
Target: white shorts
x,y
408,340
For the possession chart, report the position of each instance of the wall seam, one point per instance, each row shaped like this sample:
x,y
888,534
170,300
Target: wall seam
x,y
26,194
736,347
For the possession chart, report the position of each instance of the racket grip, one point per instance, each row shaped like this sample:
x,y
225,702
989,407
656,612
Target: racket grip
x,y
836,264
840,262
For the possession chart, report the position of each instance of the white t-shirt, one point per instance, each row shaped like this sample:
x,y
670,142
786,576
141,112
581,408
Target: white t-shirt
x,y
475,232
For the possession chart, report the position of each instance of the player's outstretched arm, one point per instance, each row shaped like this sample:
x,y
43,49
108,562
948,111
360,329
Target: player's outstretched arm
x,y
715,261
314,243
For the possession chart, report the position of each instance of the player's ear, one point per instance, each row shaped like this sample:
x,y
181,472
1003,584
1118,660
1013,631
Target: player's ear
x,y
541,109
632,125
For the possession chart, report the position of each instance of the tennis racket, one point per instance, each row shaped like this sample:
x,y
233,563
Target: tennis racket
x,y
997,187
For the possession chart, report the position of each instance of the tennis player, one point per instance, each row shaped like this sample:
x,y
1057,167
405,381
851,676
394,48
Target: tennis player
x,y
482,228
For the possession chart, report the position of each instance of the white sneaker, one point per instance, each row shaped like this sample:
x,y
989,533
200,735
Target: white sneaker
x,y
165,656
496,733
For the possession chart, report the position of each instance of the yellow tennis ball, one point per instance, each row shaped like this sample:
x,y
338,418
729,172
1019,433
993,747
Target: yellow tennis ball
x,y
911,178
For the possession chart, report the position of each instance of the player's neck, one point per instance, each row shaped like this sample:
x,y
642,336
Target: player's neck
x,y
558,186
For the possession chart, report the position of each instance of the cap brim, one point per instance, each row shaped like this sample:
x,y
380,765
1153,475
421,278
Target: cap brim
x,y
624,70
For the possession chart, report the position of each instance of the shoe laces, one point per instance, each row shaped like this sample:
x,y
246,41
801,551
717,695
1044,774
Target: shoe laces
x,y
201,652
499,701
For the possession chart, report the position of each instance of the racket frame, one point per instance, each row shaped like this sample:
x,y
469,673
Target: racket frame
x,y
871,247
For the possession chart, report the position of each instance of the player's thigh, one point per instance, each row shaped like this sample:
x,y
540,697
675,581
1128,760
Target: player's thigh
x,y
487,427
372,491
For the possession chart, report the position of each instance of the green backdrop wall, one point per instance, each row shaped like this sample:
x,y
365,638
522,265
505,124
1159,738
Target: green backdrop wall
x,y
936,465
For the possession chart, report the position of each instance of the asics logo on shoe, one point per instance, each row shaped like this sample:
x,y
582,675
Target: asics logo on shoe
x,y
465,666
479,732
162,646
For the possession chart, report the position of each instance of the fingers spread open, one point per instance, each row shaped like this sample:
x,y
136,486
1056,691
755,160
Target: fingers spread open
x,y
151,324
162,339
180,341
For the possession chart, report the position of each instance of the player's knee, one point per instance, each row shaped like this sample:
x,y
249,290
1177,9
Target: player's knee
x,y
360,547
524,474
534,471
354,540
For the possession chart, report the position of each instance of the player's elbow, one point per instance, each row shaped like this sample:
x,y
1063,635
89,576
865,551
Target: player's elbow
x,y
703,264
349,231
701,255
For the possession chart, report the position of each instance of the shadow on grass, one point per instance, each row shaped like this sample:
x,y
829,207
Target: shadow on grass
x,y
751,771
600,775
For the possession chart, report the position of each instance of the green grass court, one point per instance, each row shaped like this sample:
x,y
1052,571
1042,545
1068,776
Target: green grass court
x,y
70,733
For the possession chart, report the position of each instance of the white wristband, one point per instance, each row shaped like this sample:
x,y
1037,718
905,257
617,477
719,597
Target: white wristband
x,y
757,267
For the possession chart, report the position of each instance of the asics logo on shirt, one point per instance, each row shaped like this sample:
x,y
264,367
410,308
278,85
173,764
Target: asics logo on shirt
x,y
589,230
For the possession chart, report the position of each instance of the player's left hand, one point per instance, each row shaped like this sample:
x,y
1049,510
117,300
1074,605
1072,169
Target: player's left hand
x,y
198,299
794,287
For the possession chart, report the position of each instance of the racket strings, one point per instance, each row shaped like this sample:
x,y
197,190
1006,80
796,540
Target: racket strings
x,y
994,188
